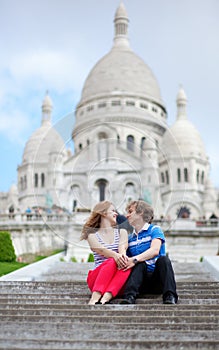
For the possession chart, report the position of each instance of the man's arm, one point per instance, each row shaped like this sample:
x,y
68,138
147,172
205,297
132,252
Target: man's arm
x,y
146,255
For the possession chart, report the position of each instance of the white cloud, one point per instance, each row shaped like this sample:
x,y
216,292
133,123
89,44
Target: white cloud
x,y
14,125
58,70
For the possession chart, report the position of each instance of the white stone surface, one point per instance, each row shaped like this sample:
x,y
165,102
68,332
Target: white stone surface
x,y
212,264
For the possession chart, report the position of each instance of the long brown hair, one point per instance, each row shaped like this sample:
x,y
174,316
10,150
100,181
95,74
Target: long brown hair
x,y
94,220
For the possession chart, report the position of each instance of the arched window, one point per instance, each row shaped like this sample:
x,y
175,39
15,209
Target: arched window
x,y
183,213
162,178
143,142
21,184
130,191
203,178
35,180
25,182
197,176
102,189
75,195
130,143
186,178
178,175
167,177
42,180
118,139
102,135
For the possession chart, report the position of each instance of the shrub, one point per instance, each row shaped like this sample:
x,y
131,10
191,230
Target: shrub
x,y
73,259
7,253
90,258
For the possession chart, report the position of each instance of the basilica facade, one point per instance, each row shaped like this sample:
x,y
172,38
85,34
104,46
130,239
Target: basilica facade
x,y
124,148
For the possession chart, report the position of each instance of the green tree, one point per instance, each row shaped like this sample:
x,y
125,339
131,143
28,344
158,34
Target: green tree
x,y
7,253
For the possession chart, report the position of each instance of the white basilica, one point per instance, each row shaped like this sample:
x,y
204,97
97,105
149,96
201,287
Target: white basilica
x,y
123,146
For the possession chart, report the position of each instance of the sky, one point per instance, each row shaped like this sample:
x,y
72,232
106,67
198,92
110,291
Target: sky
x,y
53,44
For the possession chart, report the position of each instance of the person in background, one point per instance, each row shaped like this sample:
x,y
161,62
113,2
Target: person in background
x,y
152,270
122,222
109,245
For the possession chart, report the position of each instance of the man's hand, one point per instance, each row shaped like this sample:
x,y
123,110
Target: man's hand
x,y
129,264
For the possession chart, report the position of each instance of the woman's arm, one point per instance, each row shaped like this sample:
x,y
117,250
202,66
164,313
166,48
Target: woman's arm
x,y
123,241
97,247
123,245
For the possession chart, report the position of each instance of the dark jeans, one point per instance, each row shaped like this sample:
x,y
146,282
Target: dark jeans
x,y
160,281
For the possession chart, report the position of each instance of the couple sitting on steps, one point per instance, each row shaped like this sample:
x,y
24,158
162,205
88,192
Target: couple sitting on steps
x,y
127,265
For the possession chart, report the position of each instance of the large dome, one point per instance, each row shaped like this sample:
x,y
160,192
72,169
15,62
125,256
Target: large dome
x,y
121,70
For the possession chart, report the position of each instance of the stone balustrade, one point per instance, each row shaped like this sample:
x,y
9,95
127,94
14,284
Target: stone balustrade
x,y
187,240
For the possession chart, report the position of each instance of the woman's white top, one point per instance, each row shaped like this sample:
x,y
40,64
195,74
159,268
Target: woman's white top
x,y
99,259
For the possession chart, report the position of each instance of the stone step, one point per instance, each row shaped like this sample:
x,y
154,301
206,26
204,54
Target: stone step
x,y
105,319
48,285
214,293
55,315
68,300
82,289
112,307
107,312
47,327
139,334
23,327
37,344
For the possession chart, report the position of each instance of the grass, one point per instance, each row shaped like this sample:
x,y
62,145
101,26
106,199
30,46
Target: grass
x,y
7,267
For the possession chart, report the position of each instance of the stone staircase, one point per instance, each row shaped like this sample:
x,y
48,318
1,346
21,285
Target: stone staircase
x,y
52,313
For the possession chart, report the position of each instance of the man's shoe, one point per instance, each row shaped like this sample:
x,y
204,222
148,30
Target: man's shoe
x,y
169,299
128,300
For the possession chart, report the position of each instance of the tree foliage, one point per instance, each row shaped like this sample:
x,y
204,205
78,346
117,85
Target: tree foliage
x,y
7,253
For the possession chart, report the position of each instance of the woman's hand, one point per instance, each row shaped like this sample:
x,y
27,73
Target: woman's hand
x,y
121,261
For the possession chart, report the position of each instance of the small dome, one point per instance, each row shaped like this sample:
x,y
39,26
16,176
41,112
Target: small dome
x,y
45,139
42,142
183,137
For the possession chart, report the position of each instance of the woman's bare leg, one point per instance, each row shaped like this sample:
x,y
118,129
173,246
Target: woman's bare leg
x,y
106,297
95,297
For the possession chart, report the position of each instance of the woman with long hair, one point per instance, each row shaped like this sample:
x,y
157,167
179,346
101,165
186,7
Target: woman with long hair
x,y
109,245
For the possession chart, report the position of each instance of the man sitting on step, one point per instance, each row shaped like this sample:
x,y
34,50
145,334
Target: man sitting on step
x,y
152,270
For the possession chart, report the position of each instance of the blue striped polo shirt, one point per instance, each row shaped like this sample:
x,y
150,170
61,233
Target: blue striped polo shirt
x,y
138,244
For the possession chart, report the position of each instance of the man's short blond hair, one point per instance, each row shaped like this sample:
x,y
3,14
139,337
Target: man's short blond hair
x,y
143,208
